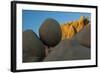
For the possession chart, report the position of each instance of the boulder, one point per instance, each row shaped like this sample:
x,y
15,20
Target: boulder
x,y
33,48
68,50
50,32
84,36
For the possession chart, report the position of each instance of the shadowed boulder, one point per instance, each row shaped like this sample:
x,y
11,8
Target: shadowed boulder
x,y
33,48
84,36
68,50
50,32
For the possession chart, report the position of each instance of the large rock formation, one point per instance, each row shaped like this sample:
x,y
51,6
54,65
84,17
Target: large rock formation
x,y
50,32
33,48
70,29
77,48
68,50
84,36
79,24
75,43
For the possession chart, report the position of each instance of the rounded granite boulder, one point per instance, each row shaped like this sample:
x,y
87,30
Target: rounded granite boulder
x,y
50,32
33,48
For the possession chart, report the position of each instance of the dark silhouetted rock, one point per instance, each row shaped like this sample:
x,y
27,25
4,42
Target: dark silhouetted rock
x,y
50,32
84,36
68,50
33,48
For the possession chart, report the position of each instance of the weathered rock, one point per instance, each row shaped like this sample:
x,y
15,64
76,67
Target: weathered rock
x,y
70,29
68,50
33,48
80,24
50,32
84,36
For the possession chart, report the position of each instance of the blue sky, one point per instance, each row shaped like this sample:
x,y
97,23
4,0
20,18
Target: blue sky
x,y
32,19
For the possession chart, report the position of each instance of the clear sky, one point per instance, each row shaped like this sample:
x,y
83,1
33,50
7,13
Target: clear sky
x,y
32,19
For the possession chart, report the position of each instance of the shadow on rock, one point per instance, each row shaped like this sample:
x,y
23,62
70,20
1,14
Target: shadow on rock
x,y
78,48
33,48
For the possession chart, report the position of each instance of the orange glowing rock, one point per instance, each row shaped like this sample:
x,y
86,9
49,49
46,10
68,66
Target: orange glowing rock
x,y
69,29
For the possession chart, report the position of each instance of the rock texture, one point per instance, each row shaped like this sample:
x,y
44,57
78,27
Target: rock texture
x,y
76,48
68,50
50,32
70,29
33,48
84,36
69,41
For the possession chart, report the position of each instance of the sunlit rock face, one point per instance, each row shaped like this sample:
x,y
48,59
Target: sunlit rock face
x,y
67,31
70,29
33,48
80,24
50,32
